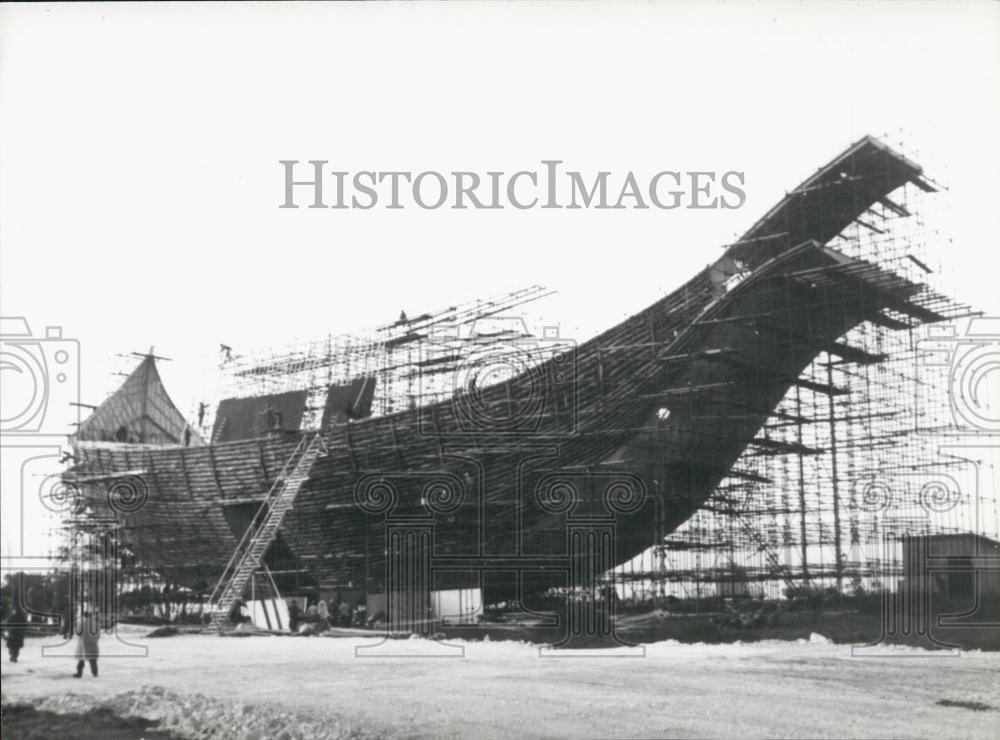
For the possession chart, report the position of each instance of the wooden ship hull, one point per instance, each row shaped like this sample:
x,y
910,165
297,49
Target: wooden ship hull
x,y
625,435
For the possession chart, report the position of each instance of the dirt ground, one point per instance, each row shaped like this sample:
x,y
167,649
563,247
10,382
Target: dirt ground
x,y
507,689
21,722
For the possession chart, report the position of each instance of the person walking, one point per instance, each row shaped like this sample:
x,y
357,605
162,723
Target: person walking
x,y
323,611
88,633
17,624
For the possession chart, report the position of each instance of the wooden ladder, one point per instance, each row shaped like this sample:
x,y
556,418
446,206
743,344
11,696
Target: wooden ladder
x,y
247,557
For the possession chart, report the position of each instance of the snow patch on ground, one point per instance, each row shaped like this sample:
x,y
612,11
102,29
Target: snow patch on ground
x,y
320,687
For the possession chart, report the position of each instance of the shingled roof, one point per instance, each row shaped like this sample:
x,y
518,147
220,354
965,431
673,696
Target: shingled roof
x,y
139,412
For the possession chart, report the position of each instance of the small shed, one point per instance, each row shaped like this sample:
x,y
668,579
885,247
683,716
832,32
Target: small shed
x,y
956,566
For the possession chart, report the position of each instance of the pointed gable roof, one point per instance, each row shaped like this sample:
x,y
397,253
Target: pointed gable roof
x,y
139,412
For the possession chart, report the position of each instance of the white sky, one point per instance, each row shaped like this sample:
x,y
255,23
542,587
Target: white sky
x,y
139,181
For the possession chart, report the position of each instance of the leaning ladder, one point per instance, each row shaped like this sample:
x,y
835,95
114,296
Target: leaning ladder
x,y
263,528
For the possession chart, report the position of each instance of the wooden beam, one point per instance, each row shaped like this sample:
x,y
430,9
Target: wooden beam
x,y
856,355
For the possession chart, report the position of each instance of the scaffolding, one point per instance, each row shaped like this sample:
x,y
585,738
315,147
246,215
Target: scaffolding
x,y
413,361
816,444
849,460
